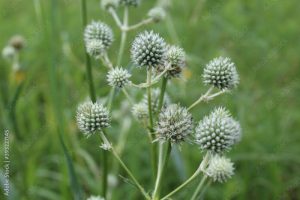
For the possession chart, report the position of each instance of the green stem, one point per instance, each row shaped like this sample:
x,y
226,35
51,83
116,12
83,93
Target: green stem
x,y
123,36
111,97
162,165
199,187
88,60
115,154
162,93
104,173
149,99
127,96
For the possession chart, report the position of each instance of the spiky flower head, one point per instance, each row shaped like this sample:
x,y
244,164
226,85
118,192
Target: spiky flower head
x,y
157,14
220,169
99,31
130,2
92,117
148,50
95,198
106,4
95,48
218,132
118,77
140,111
175,60
155,94
221,73
174,124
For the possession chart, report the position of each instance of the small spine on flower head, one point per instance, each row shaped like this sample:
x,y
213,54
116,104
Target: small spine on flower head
x,y
95,48
133,3
107,4
100,32
92,117
174,124
220,169
157,14
221,73
218,132
148,50
118,77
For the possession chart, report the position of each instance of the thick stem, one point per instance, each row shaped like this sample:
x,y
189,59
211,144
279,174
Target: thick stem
x,y
162,93
104,173
115,154
199,187
149,98
162,165
202,98
123,36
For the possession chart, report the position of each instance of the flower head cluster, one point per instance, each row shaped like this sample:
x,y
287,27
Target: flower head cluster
x,y
220,169
98,37
157,14
218,132
118,77
148,50
175,60
130,2
92,117
140,111
95,198
155,94
221,73
174,124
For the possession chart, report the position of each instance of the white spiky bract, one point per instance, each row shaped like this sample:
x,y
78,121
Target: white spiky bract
x,y
130,2
106,4
174,124
148,50
220,169
157,14
218,132
98,31
95,198
155,93
221,73
118,77
95,48
92,117
140,111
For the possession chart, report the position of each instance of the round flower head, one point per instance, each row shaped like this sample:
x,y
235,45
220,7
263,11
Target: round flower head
x,y
221,73
220,169
106,4
148,49
155,93
92,117
95,198
95,48
140,111
157,14
99,31
118,77
17,42
129,2
174,124
175,60
218,131
8,52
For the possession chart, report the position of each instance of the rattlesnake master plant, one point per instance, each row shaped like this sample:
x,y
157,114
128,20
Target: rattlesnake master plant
x,y
218,132
220,169
167,123
148,50
221,73
92,117
174,124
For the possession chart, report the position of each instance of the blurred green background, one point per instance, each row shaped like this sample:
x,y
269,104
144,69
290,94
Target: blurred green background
x,y
261,37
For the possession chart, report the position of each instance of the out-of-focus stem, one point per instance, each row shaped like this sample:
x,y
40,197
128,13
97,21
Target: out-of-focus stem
x,y
123,36
199,187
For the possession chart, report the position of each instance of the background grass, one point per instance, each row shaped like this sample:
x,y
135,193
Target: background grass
x,y
261,37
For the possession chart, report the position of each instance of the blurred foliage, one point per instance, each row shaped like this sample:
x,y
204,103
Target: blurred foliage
x,y
261,37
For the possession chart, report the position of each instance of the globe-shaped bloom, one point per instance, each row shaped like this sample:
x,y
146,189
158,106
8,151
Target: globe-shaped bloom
x,y
130,2
99,31
140,111
118,77
218,132
92,117
174,124
95,48
220,169
148,50
221,73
